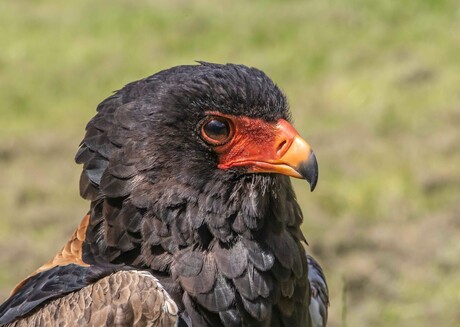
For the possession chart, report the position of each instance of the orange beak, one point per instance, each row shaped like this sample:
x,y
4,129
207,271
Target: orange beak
x,y
263,147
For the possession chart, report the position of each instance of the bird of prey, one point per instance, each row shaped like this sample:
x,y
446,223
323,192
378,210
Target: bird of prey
x,y
193,220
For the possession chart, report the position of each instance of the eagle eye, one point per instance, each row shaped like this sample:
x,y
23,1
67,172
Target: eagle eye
x,y
216,130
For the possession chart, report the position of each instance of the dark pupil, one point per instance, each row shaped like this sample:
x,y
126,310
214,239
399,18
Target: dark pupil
x,y
216,129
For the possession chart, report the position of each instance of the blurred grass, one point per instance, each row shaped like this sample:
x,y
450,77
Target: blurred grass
x,y
374,86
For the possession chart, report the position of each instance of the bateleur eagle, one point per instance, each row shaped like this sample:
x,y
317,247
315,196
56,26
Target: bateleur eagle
x,y
193,220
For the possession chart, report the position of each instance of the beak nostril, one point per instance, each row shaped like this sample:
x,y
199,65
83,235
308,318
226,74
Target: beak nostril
x,y
280,150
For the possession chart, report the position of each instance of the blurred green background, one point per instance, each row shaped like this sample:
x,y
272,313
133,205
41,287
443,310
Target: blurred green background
x,y
374,86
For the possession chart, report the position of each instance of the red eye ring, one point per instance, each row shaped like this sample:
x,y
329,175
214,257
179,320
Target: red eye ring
x,y
217,130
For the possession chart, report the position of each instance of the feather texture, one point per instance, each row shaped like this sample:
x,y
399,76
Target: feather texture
x,y
125,298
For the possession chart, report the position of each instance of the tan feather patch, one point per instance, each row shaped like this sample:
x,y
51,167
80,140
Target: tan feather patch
x,y
70,253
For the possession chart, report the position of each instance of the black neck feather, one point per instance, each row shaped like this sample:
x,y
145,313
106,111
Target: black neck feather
x,y
231,249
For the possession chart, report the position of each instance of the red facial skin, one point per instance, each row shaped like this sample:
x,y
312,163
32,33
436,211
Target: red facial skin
x,y
260,146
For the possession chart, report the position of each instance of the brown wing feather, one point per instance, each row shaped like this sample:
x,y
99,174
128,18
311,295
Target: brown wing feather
x,y
126,298
70,253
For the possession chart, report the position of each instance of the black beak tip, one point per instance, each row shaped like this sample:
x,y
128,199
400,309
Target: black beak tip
x,y
309,170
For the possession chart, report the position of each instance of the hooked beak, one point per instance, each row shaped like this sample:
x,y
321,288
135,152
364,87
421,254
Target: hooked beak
x,y
309,170
299,161
261,147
